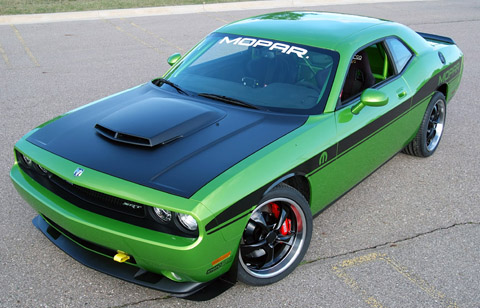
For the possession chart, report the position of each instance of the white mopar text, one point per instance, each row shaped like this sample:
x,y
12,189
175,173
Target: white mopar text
x,y
248,41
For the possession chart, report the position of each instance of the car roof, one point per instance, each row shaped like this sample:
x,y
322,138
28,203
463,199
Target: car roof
x,y
325,30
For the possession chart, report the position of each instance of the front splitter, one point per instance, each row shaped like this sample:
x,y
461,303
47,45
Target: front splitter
x,y
130,273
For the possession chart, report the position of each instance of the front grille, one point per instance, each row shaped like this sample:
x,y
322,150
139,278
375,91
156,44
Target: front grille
x,y
100,199
99,203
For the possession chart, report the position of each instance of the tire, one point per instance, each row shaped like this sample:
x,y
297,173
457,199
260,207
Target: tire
x,y
431,130
276,237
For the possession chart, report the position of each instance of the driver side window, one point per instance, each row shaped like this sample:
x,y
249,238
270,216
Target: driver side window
x,y
368,67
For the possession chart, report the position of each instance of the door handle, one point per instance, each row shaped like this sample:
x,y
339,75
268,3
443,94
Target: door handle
x,y
401,92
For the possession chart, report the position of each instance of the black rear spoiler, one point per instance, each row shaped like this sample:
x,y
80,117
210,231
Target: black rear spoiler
x,y
437,38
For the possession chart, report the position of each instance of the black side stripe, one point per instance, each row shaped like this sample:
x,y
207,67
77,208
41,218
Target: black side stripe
x,y
231,222
317,163
344,150
236,209
349,142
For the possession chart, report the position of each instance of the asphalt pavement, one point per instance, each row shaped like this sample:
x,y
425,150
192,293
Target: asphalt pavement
x,y
407,236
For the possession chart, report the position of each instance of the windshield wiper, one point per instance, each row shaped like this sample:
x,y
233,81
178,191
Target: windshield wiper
x,y
159,81
230,100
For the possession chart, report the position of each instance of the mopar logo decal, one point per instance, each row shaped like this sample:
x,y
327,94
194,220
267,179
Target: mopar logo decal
x,y
248,41
78,172
323,158
448,74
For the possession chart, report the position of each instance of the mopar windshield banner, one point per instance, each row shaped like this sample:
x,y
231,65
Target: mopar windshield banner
x,y
253,42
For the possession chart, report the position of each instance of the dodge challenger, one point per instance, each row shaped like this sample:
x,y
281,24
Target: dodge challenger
x,y
215,169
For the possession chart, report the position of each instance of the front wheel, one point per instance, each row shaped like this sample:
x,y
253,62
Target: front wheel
x,y
431,130
276,237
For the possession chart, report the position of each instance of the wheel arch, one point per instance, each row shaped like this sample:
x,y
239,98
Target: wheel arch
x,y
298,181
443,88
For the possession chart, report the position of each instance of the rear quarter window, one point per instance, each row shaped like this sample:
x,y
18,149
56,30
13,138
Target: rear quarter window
x,y
400,53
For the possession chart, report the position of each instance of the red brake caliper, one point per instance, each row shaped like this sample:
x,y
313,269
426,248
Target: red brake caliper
x,y
287,224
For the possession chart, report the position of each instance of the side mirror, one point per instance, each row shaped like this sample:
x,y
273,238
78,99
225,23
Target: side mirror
x,y
174,58
372,98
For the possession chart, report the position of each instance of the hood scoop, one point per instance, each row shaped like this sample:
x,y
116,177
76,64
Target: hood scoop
x,y
157,121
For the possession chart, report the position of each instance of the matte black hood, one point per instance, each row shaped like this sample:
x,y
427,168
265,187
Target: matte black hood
x,y
167,141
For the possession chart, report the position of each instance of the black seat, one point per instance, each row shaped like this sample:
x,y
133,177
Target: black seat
x,y
359,76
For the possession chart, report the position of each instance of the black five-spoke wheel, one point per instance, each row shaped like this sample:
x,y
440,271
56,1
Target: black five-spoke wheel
x,y
276,237
435,124
431,129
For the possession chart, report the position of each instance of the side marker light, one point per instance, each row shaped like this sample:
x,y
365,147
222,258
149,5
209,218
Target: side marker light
x,y
225,256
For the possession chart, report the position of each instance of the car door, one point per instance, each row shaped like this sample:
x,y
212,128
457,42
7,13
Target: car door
x,y
367,139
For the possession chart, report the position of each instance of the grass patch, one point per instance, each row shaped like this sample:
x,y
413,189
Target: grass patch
x,y
13,7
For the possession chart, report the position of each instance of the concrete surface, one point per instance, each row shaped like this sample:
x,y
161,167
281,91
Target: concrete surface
x,y
173,10
408,236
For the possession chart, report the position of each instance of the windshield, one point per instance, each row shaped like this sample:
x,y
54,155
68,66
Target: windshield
x,y
273,75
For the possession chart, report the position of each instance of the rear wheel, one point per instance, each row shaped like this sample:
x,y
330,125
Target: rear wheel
x,y
276,237
431,130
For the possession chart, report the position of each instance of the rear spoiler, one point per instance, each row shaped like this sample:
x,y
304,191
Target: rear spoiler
x,y
437,38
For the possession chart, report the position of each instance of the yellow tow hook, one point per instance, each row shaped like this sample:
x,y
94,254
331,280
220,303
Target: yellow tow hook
x,y
121,257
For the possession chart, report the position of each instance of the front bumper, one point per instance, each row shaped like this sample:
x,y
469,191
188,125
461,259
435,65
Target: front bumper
x,y
186,260
120,270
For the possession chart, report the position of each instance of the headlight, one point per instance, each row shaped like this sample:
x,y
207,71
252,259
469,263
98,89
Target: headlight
x,y
187,221
27,160
181,224
162,214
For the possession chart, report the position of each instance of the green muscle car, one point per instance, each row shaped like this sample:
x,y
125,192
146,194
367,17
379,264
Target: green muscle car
x,y
213,172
